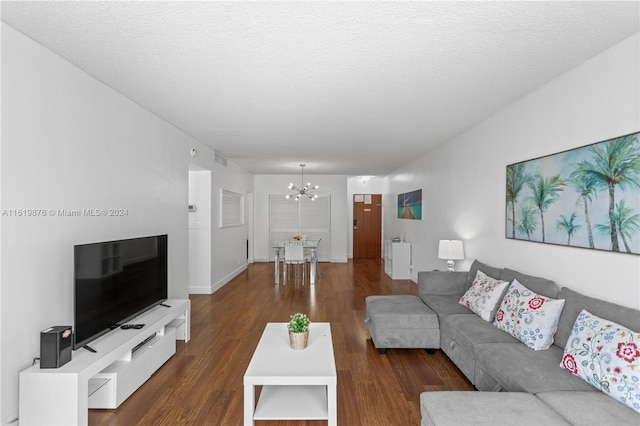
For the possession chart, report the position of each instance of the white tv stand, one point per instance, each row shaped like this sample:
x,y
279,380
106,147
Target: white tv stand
x,y
62,396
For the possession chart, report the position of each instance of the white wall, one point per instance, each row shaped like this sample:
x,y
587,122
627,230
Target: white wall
x,y
228,245
200,231
2,417
334,185
70,142
463,181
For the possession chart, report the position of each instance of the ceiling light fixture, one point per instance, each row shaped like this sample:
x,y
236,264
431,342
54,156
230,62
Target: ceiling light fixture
x,y
304,190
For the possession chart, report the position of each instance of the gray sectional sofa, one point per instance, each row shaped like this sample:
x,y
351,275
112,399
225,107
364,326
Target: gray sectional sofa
x,y
495,361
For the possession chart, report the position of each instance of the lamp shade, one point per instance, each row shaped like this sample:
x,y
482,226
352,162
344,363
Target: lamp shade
x,y
450,250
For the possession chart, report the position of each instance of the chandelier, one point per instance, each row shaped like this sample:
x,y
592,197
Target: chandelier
x,y
303,191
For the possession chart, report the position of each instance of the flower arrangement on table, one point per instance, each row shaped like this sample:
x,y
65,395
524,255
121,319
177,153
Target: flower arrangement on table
x,y
299,323
298,331
297,236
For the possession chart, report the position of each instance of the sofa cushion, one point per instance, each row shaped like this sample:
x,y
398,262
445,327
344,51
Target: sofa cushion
x,y
484,295
462,358
401,321
576,302
607,356
400,311
528,316
446,305
485,408
459,333
469,330
539,285
589,408
492,271
520,369
441,283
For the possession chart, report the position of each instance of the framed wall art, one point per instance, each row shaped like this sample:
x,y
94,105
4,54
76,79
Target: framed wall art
x,y
410,205
585,197
231,209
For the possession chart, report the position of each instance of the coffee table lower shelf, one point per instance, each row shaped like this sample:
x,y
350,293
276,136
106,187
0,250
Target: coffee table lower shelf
x,y
292,403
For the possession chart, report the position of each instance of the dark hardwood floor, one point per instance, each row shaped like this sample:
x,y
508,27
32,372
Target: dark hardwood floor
x,y
202,383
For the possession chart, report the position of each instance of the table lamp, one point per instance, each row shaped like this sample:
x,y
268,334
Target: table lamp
x,y
450,250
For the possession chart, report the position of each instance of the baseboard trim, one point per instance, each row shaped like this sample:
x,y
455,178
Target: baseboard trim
x,y
218,285
200,289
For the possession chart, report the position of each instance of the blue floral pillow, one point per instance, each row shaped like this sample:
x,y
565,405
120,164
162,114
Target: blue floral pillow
x,y
528,316
606,355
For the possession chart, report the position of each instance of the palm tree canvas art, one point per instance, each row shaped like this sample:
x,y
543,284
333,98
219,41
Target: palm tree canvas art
x,y
585,197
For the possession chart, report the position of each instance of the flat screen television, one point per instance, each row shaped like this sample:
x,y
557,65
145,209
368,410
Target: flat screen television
x,y
116,281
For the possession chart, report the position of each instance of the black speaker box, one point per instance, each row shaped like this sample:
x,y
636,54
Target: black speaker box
x,y
55,346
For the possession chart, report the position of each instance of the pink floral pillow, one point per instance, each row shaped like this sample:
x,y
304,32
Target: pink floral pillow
x,y
484,295
607,356
529,317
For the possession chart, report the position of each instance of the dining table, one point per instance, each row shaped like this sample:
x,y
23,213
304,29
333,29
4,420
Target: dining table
x,y
309,245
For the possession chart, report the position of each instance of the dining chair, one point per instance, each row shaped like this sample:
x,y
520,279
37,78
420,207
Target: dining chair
x,y
294,255
313,256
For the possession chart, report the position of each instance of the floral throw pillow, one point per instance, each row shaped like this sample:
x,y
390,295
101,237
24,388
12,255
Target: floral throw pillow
x,y
607,356
484,295
529,317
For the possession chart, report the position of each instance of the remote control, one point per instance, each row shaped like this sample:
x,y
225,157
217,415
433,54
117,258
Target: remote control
x,y
134,326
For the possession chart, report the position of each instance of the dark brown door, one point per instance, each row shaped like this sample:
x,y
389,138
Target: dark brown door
x,y
367,226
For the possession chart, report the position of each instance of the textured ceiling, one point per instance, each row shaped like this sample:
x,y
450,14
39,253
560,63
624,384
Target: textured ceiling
x,y
356,88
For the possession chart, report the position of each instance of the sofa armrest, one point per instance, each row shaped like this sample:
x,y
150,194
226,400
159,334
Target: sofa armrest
x,y
441,283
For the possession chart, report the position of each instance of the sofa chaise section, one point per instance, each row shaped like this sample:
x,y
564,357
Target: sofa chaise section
x,y
401,321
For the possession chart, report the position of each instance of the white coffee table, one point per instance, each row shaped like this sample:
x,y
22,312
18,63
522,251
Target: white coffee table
x,y
296,384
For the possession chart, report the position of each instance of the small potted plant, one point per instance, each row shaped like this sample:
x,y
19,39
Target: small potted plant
x,y
298,331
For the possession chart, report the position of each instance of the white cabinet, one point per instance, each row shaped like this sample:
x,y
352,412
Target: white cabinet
x,y
123,361
397,260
